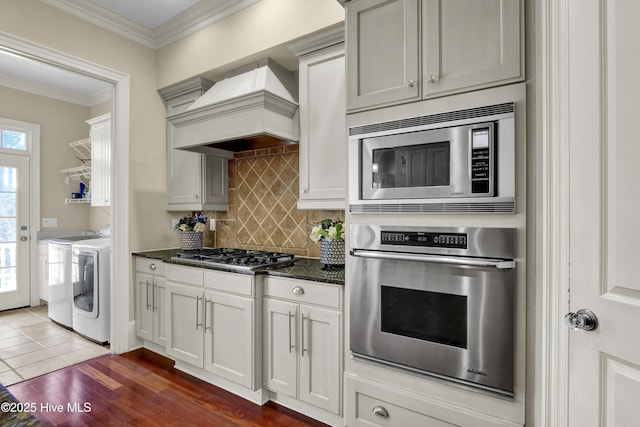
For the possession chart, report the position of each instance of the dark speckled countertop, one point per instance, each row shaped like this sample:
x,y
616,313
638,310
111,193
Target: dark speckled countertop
x,y
304,268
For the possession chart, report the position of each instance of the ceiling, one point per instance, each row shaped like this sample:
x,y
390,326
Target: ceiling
x,y
153,23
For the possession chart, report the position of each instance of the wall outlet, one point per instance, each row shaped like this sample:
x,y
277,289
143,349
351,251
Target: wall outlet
x,y
212,224
174,222
49,222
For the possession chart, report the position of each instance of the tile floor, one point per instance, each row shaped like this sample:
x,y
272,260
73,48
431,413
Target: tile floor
x,y
32,345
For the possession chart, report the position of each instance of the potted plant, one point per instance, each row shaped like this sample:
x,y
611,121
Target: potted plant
x,y
190,230
330,233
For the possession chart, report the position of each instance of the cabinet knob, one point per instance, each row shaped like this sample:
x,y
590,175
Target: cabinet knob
x,y
412,83
380,412
433,79
297,290
152,266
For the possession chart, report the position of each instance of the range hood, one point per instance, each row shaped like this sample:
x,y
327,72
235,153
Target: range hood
x,y
253,107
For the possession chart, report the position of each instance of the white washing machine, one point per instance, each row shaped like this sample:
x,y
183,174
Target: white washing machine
x,y
60,304
91,287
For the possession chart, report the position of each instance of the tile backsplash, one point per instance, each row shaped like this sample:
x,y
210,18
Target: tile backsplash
x,y
263,213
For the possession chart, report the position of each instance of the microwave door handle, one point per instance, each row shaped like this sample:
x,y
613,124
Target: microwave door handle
x,y
474,262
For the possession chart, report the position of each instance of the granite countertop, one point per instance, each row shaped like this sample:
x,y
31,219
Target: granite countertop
x,y
304,268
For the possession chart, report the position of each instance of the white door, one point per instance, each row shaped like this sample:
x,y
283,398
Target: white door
x,y
14,230
602,117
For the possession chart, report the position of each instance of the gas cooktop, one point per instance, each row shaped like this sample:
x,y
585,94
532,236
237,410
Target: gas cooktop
x,y
235,259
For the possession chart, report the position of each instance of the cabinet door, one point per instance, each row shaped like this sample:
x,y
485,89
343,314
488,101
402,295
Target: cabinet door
x,y
229,332
382,53
159,311
488,52
185,323
144,305
215,188
100,160
322,129
280,346
184,168
184,178
320,356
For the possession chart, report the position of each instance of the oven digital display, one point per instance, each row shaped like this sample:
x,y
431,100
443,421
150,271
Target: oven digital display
x,y
433,240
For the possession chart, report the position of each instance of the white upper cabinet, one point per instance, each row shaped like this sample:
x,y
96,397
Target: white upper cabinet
x,y
400,51
194,181
470,44
383,64
100,135
322,120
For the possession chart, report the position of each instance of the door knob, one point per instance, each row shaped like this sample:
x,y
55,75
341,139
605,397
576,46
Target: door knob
x,y
583,319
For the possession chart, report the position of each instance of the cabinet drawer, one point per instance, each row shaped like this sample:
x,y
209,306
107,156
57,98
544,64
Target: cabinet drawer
x,y
229,282
303,291
189,275
150,266
377,412
370,403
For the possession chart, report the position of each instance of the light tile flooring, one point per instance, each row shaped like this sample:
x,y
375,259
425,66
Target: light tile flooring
x,y
32,345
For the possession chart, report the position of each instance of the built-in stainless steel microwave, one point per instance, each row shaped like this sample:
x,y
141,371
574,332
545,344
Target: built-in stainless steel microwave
x,y
459,161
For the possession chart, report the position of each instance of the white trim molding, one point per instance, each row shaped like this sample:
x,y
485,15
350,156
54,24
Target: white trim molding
x,y
120,257
188,22
552,339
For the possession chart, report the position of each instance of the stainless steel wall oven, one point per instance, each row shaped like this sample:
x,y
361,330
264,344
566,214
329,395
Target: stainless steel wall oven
x,y
439,301
458,161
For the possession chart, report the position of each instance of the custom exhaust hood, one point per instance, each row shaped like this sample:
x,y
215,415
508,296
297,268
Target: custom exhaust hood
x,y
252,107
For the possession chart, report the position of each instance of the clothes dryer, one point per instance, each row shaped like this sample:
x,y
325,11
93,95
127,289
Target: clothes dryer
x,y
91,287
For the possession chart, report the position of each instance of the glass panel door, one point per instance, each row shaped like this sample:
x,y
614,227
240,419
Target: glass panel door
x,y
8,234
14,231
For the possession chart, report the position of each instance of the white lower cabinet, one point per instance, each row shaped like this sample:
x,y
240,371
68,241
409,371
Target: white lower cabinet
x,y
211,322
150,301
371,403
302,330
43,269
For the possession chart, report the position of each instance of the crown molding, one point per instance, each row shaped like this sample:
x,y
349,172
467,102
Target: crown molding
x,y
319,40
182,25
48,91
196,18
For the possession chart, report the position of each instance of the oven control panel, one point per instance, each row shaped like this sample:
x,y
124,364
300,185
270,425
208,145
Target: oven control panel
x,y
426,239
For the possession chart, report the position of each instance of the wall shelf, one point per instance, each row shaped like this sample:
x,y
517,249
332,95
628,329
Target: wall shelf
x,y
78,172
82,147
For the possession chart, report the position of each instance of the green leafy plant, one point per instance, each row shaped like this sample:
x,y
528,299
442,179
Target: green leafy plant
x,y
329,229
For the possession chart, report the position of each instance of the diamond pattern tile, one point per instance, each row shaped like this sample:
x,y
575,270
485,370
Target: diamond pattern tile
x,y
263,213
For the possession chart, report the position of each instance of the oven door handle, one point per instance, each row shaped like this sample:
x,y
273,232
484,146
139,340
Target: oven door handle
x,y
474,262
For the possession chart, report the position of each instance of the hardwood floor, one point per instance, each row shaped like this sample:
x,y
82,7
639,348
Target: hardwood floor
x,y
136,389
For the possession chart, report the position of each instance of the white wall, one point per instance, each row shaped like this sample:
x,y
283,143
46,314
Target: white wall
x,y
60,122
45,25
246,34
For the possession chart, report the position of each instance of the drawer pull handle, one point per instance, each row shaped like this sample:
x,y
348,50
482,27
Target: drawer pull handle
x,y
297,290
380,412
152,266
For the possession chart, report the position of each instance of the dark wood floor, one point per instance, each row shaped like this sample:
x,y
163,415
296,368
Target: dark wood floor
x,y
136,389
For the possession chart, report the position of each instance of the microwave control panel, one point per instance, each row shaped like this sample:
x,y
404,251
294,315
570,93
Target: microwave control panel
x,y
480,161
425,239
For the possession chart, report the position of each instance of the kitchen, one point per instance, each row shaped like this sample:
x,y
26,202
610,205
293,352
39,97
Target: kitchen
x,y
142,222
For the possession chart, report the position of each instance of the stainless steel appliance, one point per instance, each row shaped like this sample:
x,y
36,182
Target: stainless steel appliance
x,y
235,259
458,161
439,301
